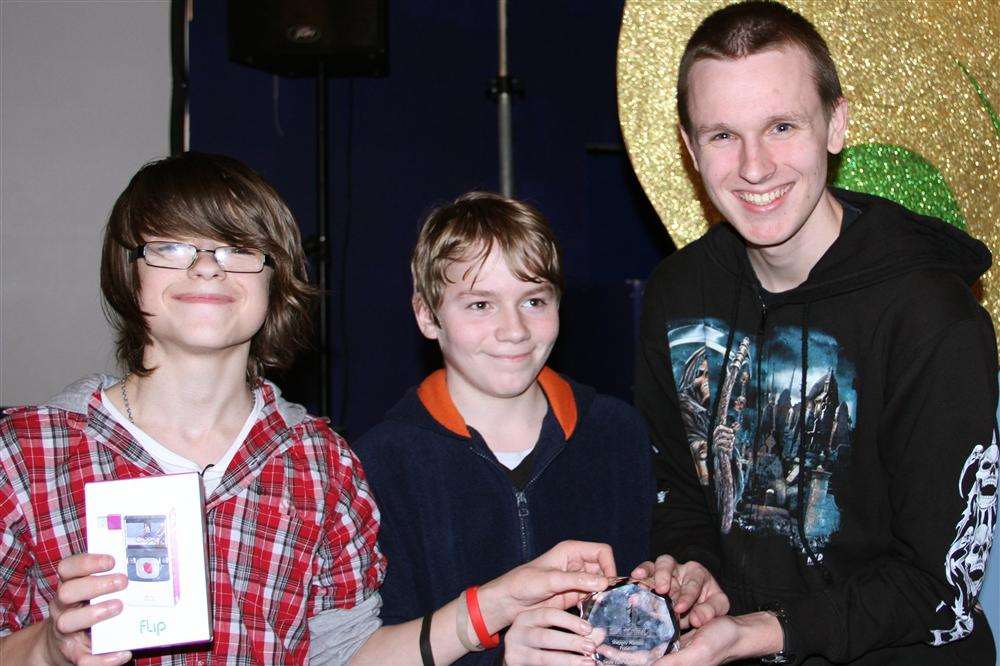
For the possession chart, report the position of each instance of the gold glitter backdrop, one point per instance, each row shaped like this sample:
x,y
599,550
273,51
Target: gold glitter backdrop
x,y
921,78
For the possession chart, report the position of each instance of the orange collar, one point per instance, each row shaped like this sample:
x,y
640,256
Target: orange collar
x,y
433,393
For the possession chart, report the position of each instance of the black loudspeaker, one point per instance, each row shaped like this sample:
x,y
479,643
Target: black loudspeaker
x,y
291,37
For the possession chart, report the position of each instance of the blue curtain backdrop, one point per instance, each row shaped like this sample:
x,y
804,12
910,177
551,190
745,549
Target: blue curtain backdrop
x,y
426,133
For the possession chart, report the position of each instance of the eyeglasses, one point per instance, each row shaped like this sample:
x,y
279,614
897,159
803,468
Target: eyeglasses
x,y
181,256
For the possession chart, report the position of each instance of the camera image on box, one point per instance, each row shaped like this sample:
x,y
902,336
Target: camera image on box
x,y
146,548
151,560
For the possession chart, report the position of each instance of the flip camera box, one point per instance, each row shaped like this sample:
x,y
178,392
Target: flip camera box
x,y
154,527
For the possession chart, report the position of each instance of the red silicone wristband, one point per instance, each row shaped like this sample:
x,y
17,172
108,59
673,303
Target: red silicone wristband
x,y
485,638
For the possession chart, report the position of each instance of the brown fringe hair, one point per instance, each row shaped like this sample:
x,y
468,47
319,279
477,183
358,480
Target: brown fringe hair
x,y
217,197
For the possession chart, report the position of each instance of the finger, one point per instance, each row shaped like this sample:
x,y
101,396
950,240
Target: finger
x,y
669,660
606,559
74,647
568,599
715,605
545,627
599,553
83,564
110,659
84,617
558,582
687,655
77,590
523,655
688,592
664,573
644,570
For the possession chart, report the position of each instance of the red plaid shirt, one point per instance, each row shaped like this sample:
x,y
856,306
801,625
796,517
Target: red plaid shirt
x,y
292,527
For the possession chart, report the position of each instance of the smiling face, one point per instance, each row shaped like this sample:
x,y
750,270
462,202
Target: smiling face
x,y
202,309
495,330
760,138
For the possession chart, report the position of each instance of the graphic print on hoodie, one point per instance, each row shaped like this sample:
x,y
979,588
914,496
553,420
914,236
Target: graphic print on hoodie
x,y
762,483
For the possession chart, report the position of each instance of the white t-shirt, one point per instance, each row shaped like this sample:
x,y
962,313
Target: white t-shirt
x,y
511,459
171,462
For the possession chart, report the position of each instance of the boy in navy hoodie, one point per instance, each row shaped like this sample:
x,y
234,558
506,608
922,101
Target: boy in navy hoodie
x,y
496,457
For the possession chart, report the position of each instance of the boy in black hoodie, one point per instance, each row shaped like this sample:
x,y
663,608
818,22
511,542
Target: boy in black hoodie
x,y
820,381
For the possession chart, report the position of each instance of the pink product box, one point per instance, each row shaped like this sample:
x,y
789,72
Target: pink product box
x,y
154,528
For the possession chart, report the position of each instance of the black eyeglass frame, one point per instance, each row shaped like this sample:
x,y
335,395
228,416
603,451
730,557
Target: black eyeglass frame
x,y
139,252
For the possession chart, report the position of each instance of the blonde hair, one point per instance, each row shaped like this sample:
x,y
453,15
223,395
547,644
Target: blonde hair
x,y
468,229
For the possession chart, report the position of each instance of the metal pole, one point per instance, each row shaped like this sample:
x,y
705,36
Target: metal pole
x,y
323,249
503,109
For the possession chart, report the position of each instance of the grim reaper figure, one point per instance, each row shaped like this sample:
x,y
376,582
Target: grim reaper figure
x,y
694,396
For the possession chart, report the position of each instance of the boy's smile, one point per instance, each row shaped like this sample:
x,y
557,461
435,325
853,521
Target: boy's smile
x,y
495,330
203,307
760,140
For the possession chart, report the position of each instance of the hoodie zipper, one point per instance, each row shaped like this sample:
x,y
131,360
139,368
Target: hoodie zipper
x,y
522,508
521,500
522,517
746,555
761,333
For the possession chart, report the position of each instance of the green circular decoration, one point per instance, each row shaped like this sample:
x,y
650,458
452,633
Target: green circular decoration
x,y
901,175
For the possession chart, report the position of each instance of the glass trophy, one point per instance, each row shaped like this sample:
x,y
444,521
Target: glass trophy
x,y
632,623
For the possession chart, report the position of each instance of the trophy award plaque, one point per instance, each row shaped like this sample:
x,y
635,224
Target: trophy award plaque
x,y
632,623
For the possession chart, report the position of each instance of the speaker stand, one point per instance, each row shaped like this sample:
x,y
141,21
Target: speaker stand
x,y
322,235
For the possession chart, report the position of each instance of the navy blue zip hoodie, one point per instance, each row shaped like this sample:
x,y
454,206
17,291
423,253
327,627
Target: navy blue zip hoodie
x,y
831,449
451,516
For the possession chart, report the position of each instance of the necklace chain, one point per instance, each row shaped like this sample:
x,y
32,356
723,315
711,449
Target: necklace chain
x,y
128,408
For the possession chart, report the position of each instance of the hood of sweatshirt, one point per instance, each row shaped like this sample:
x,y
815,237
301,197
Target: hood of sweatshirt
x,y
76,397
429,405
883,242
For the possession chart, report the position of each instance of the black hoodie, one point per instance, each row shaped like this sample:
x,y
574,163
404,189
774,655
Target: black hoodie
x,y
852,474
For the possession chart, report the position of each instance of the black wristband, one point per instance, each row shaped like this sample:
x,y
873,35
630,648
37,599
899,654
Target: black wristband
x,y
426,656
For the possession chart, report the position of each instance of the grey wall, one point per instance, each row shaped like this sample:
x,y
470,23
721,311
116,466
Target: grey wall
x,y
84,101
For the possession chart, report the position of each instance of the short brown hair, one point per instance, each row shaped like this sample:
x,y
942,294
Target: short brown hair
x,y
468,228
217,197
746,28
